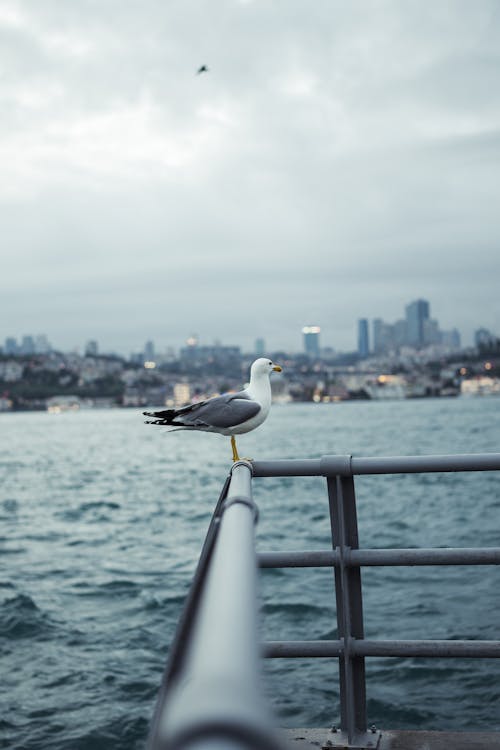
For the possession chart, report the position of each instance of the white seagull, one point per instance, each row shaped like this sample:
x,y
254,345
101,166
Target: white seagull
x,y
230,414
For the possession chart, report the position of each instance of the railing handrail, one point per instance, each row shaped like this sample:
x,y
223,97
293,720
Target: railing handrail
x,y
356,465
381,557
212,695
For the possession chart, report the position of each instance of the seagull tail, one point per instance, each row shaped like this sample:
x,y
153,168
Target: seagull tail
x,y
165,417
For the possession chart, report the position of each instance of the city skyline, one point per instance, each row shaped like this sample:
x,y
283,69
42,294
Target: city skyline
x,y
309,339
304,178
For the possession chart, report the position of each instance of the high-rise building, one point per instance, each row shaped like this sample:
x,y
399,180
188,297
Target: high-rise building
x,y
432,334
417,313
400,333
363,338
149,351
451,339
311,341
11,345
260,347
91,348
383,336
42,345
28,345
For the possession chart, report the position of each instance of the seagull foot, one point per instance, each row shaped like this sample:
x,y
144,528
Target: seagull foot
x,y
235,450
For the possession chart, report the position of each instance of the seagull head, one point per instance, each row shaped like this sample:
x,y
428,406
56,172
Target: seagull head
x,y
263,366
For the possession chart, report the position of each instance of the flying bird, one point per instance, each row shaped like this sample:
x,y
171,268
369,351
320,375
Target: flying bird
x,y
202,69
230,414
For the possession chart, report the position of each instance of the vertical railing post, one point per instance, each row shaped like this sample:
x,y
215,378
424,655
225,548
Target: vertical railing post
x,y
344,527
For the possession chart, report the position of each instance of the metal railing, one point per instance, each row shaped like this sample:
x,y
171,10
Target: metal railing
x,y
210,698
210,695
346,558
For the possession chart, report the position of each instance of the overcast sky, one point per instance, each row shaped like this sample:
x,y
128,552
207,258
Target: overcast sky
x,y
338,160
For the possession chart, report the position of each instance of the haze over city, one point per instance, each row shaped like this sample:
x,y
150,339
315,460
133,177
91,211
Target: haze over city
x,y
335,162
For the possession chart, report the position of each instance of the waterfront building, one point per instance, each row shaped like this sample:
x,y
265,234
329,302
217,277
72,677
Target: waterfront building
x,y
11,371
363,338
311,341
417,313
182,395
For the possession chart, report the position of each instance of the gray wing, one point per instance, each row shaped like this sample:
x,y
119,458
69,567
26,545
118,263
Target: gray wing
x,y
222,411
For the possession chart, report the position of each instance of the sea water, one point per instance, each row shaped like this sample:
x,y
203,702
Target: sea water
x,y
102,521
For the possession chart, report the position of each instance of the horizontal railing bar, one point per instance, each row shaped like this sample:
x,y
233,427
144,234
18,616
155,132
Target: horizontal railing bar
x,y
381,557
305,559
308,649
346,465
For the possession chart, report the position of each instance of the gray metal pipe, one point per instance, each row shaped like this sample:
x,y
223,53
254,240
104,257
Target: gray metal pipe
x,y
345,465
416,464
217,695
300,649
379,557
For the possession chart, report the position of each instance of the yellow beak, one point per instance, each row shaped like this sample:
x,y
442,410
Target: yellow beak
x,y
277,368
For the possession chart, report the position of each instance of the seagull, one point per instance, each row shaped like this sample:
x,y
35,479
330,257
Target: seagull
x,y
230,414
202,69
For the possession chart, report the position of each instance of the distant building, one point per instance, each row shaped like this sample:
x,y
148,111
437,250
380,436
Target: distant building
x,y
417,313
482,337
149,352
451,339
363,338
91,348
11,346
432,334
182,394
213,359
260,347
11,370
42,345
28,345
383,336
311,341
400,333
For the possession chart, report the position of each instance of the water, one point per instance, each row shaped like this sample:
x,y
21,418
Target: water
x,y
102,520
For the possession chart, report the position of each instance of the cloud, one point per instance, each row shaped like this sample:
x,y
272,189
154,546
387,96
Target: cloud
x,y
337,161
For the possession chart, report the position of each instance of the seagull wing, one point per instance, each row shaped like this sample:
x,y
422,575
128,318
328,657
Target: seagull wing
x,y
220,412
223,412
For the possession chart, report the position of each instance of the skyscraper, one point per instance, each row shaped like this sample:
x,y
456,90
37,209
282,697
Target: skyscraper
x,y
149,351
311,341
11,346
363,338
28,345
260,347
416,313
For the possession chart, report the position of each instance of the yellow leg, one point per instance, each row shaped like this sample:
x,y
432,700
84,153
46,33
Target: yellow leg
x,y
235,450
